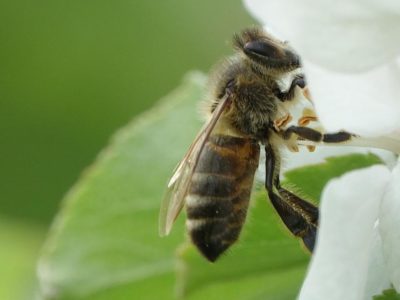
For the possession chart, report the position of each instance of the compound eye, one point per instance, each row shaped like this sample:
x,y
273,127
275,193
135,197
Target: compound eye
x,y
261,48
272,55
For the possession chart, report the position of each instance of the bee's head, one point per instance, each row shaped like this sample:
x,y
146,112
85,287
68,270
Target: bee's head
x,y
265,52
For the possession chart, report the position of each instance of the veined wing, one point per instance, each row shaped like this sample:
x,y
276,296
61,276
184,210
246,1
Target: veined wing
x,y
179,183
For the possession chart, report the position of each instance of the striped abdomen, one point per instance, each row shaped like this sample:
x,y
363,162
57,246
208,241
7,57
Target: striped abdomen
x,y
219,193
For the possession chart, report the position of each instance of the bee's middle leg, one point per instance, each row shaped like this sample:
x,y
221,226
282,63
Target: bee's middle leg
x,y
299,216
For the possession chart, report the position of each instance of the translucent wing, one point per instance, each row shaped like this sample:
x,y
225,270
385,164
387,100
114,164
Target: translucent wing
x,y
179,183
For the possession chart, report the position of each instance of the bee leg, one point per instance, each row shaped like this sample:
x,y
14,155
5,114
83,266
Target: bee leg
x,y
315,136
309,214
299,216
299,80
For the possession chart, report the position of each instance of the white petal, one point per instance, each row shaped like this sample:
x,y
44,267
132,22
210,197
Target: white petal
x,y
389,227
388,6
378,278
367,103
341,35
349,209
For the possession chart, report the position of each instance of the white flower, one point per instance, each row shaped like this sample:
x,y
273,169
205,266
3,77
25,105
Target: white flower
x,y
350,51
349,262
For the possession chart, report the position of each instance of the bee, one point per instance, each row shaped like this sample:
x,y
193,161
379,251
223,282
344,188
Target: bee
x,y
215,178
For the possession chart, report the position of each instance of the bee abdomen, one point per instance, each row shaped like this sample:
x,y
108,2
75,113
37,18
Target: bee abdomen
x,y
219,193
214,224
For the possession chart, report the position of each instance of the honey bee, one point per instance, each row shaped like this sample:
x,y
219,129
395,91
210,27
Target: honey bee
x,y
215,178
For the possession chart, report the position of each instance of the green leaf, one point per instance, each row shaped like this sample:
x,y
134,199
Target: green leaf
x,y
20,244
312,179
105,245
106,240
276,285
388,295
266,248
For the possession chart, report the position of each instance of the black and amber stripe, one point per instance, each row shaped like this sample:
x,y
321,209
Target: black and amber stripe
x,y
219,193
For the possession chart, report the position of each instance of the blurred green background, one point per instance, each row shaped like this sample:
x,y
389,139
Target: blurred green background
x,y
71,73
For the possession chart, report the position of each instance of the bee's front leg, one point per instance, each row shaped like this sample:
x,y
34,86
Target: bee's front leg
x,y
316,136
299,81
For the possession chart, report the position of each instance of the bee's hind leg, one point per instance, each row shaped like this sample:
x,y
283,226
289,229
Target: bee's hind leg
x,y
308,213
299,216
